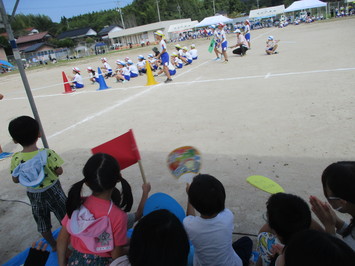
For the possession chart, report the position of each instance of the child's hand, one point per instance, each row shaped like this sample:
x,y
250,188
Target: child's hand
x,y
324,212
146,188
277,249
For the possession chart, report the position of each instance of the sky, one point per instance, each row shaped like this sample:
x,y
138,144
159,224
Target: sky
x,y
58,8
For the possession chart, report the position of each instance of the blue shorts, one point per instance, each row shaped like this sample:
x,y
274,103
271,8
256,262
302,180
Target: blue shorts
x,y
97,80
224,46
247,37
155,67
194,58
189,61
172,72
133,75
78,85
179,66
164,59
127,77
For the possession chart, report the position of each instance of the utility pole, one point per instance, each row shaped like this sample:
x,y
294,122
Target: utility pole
x,y
257,3
179,9
158,9
119,10
214,7
5,23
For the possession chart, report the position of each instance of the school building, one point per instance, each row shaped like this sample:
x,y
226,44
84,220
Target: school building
x,y
142,34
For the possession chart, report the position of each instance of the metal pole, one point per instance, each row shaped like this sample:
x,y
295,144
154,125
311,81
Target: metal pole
x,y
158,9
22,71
214,8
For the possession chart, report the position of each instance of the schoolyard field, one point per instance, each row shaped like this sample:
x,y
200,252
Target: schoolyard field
x,y
284,116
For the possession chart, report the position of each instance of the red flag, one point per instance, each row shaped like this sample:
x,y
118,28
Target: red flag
x,y
123,149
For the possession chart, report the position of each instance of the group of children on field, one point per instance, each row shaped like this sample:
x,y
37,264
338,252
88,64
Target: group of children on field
x,y
243,41
127,69
95,227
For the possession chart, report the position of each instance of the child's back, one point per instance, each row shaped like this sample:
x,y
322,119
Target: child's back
x,y
211,234
212,239
38,170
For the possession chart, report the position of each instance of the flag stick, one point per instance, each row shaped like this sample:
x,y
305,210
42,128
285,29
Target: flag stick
x,y
142,171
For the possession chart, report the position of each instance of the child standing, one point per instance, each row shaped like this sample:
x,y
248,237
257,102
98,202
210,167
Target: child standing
x,y
45,193
211,233
163,55
94,243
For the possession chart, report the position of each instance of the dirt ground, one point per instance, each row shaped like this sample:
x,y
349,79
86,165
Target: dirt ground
x,y
284,116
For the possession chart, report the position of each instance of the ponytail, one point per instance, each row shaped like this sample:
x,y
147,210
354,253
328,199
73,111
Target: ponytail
x,y
74,200
124,201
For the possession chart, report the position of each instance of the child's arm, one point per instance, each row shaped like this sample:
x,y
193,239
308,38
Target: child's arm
x,y
190,209
62,245
119,251
145,192
59,170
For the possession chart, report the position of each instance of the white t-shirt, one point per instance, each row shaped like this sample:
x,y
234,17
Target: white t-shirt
x,y
133,69
212,239
187,55
194,53
178,60
171,66
107,66
141,64
349,239
246,29
162,46
125,71
78,79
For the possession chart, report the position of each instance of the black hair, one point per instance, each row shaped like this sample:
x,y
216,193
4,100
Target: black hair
x,y
159,239
24,130
287,214
310,247
101,173
340,179
207,195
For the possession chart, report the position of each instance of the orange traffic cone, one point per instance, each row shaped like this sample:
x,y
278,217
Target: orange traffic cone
x,y
67,87
150,77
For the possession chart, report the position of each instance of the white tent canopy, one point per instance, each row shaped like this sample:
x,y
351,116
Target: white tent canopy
x,y
267,12
305,4
182,26
213,20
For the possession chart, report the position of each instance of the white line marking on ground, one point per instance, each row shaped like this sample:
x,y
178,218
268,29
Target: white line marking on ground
x,y
119,103
263,76
268,75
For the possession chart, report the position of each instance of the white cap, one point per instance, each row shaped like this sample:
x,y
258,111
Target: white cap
x,y
237,31
76,69
159,33
270,38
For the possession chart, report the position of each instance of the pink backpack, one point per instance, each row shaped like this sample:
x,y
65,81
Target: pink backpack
x,y
95,233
